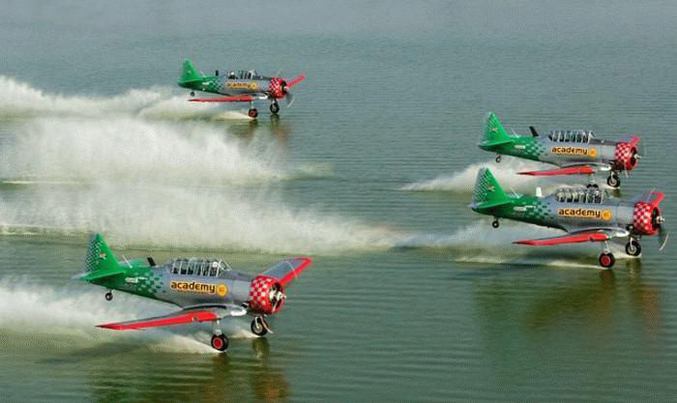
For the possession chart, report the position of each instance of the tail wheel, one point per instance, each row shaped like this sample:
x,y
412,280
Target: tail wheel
x,y
498,158
274,108
252,113
108,296
607,260
258,327
613,180
495,224
633,248
220,342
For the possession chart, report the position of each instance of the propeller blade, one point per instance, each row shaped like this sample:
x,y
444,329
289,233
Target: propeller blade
x,y
663,235
533,131
295,80
289,97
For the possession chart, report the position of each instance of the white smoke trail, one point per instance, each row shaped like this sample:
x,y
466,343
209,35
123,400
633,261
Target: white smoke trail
x,y
506,172
129,149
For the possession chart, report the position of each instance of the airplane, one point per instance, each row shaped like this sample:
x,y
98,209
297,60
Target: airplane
x,y
575,152
240,86
206,290
587,214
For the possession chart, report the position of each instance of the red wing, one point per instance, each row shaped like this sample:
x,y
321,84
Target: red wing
x,y
175,318
579,170
234,98
287,270
588,236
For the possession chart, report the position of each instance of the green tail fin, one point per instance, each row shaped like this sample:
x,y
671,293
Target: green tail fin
x,y
100,261
488,193
189,73
494,133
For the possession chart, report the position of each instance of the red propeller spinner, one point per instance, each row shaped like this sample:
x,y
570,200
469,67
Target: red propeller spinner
x,y
626,154
279,88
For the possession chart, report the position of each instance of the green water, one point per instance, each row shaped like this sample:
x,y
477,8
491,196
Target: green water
x,y
411,295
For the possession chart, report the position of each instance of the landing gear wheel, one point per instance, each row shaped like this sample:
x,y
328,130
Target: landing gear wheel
x,y
192,93
495,224
274,108
633,248
258,328
613,180
220,342
498,159
108,296
253,113
607,260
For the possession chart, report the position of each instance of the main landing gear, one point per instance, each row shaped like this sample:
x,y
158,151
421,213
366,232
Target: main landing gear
x,y
495,223
108,296
613,180
606,258
633,248
274,107
498,158
259,326
252,112
219,340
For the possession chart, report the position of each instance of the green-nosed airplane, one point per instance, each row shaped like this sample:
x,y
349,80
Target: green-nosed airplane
x,y
240,86
587,214
575,152
206,290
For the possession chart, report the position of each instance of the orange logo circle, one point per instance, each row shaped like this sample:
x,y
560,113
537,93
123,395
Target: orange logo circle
x,y
221,290
606,215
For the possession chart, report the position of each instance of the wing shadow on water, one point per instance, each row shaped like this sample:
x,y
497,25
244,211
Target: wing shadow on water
x,y
238,375
563,320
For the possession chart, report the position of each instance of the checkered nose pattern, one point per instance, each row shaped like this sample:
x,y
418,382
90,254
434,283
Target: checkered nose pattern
x,y
642,218
275,87
259,295
625,156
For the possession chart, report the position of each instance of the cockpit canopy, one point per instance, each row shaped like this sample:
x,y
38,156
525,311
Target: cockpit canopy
x,y
198,267
571,136
243,75
580,195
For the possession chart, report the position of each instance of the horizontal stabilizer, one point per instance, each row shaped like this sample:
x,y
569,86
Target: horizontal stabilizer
x,y
97,275
582,170
590,236
235,98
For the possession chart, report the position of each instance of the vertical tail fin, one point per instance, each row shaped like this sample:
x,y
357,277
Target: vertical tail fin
x,y
487,193
100,258
189,73
494,133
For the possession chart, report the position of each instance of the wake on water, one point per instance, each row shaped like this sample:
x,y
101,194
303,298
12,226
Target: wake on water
x,y
73,312
21,100
480,243
507,174
127,149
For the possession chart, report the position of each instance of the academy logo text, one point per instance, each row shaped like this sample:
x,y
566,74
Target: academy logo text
x,y
200,288
582,151
243,85
585,213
